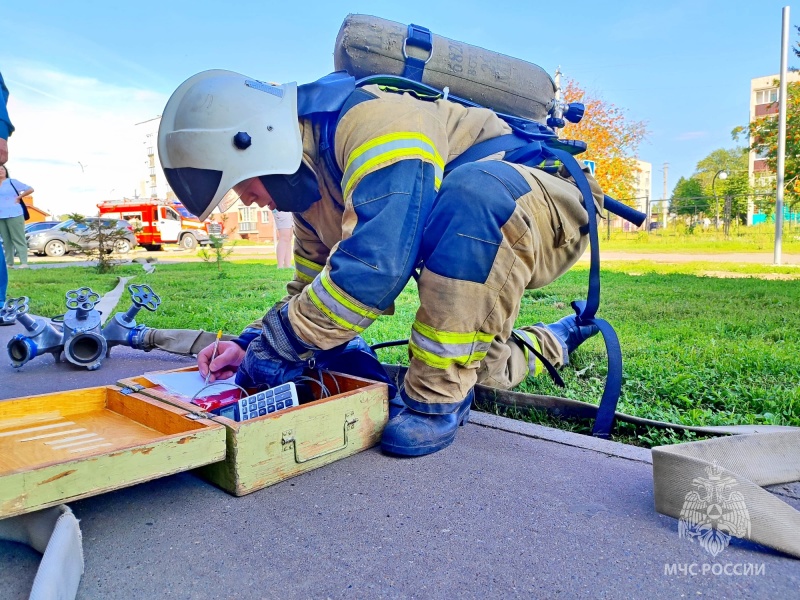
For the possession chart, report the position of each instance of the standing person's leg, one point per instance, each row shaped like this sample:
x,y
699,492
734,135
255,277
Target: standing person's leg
x,y
16,230
284,248
3,276
5,235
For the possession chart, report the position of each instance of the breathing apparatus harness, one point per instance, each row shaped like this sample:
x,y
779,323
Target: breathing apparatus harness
x,y
532,144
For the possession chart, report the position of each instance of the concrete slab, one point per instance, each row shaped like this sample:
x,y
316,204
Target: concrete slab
x,y
510,509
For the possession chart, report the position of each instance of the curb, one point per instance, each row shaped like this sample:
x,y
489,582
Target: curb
x,y
566,438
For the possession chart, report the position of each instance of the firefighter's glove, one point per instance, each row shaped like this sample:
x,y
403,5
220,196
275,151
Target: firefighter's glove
x,y
276,356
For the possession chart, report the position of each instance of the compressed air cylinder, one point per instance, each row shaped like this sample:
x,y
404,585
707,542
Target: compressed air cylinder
x,y
370,46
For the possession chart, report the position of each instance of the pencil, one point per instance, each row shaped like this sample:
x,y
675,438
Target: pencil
x,y
213,355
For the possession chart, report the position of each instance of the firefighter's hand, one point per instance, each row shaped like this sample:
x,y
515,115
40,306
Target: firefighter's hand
x,y
229,357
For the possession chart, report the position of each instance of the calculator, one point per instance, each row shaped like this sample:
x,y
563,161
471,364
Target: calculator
x,y
262,403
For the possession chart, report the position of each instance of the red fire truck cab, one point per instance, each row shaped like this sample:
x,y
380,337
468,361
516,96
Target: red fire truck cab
x,y
157,222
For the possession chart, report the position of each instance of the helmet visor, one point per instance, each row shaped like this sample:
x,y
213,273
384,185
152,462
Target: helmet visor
x,y
195,188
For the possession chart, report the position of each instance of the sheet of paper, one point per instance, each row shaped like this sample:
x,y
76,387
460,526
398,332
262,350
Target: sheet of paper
x,y
190,384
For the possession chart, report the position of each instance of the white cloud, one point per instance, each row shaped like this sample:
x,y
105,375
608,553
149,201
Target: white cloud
x,y
75,141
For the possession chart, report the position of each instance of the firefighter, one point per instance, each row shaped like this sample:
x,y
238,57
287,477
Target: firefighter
x,y
367,215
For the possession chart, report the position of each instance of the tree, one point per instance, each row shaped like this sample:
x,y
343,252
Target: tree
x,y
736,186
687,197
100,238
613,140
217,253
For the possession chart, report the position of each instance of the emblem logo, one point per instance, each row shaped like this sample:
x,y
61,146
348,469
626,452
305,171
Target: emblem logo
x,y
713,511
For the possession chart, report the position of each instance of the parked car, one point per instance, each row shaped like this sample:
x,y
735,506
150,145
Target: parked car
x,y
39,226
58,240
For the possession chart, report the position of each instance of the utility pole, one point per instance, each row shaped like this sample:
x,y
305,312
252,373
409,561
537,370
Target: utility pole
x,y
665,204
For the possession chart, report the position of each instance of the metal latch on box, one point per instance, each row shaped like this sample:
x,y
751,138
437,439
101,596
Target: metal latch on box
x,y
288,439
132,389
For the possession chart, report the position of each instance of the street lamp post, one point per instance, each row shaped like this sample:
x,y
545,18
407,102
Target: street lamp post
x,y
723,175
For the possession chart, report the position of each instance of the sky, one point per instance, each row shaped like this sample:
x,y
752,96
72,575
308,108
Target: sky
x,y
83,73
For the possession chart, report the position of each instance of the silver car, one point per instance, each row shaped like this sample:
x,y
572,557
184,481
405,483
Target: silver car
x,y
59,240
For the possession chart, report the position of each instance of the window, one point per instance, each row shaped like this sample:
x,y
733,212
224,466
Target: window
x,y
762,152
169,214
247,213
247,226
767,96
265,216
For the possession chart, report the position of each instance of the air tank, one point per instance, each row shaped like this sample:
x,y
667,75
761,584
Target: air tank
x,y
369,45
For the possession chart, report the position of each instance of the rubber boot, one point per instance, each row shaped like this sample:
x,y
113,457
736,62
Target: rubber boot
x,y
570,334
396,405
414,433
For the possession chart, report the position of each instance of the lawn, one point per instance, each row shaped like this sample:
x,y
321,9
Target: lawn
x,y
697,349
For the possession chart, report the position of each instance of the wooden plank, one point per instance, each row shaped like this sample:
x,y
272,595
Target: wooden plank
x,y
60,404
80,477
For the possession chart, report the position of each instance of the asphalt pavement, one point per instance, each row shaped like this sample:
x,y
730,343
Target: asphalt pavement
x,y
509,510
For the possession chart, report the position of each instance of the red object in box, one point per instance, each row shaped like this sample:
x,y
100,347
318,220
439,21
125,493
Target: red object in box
x,y
210,403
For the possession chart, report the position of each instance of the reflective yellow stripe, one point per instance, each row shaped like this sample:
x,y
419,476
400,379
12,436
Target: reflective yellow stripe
x,y
305,270
451,337
538,367
307,263
330,314
367,314
438,362
387,148
337,307
442,349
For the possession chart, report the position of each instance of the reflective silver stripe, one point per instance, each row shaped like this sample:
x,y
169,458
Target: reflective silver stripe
x,y
337,308
448,350
305,270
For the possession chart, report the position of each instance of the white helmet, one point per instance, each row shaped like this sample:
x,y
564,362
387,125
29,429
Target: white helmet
x,y
220,128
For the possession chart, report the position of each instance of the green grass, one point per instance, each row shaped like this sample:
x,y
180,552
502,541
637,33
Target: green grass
x,y
697,350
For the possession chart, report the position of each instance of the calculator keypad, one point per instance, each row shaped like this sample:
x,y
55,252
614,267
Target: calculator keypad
x,y
267,402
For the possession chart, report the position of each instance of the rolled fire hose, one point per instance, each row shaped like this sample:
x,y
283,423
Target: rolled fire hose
x,y
55,533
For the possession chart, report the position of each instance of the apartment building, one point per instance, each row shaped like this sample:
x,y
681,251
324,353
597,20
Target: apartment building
x,y
763,104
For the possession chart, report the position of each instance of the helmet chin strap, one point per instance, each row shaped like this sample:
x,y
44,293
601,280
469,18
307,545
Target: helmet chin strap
x,y
295,192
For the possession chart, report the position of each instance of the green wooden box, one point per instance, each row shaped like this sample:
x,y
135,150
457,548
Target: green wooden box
x,y
277,446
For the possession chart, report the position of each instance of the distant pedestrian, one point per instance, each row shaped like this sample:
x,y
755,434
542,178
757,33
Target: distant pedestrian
x,y
284,225
6,128
12,223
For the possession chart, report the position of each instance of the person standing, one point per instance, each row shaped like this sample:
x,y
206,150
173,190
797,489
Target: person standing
x,y
12,222
6,128
285,227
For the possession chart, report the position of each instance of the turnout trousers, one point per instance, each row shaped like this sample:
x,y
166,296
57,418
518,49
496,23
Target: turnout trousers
x,y
495,229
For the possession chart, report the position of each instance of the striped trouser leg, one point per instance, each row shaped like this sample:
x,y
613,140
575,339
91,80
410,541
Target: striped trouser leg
x,y
479,254
495,230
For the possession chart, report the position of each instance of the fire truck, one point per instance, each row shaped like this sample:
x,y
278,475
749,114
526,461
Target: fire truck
x,y
156,222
